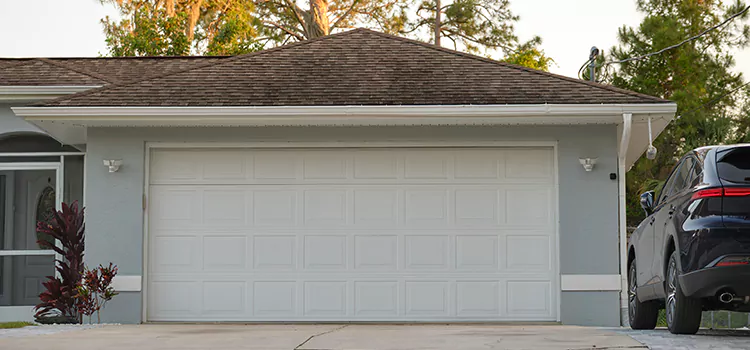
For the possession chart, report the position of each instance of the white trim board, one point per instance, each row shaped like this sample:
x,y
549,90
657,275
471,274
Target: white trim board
x,y
33,93
92,113
127,283
570,283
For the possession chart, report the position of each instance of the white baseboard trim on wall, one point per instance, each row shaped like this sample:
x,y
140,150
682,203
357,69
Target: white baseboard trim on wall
x,y
569,283
124,283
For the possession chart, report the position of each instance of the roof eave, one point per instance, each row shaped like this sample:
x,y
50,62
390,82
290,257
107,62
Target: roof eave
x,y
68,124
39,93
241,112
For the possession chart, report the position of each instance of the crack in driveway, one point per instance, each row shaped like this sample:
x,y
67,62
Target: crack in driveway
x,y
319,334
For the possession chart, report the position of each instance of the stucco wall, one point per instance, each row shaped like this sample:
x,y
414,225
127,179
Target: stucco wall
x,y
588,201
10,123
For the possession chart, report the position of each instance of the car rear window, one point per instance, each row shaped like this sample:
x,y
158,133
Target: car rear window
x,y
734,165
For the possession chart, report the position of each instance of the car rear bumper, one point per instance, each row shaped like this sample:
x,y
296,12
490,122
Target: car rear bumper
x,y
710,281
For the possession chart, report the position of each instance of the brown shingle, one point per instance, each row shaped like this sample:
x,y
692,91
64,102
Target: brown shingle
x,y
91,71
359,67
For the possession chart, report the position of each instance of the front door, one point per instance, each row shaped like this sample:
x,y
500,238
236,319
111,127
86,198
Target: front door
x,y
35,198
27,196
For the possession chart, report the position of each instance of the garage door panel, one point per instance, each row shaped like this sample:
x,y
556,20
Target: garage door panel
x,y
528,206
528,252
427,298
325,252
477,252
225,252
426,207
275,252
275,298
275,208
224,298
477,298
326,207
376,252
528,299
325,298
351,234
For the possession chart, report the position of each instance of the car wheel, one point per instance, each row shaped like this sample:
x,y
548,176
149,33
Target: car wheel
x,y
683,313
642,315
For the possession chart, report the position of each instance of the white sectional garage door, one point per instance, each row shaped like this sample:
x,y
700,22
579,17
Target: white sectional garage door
x,y
375,234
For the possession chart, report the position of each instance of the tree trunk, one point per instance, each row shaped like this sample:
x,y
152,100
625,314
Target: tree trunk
x,y
169,6
316,20
437,22
195,11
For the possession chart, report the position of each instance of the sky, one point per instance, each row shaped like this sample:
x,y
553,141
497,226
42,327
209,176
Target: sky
x,y
72,28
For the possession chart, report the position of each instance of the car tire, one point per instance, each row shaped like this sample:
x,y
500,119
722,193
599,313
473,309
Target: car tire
x,y
683,313
641,315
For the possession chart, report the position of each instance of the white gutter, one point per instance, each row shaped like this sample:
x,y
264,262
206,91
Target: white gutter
x,y
583,110
627,123
28,93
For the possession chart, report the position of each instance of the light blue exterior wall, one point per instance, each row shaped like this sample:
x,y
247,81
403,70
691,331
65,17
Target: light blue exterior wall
x,y
588,210
11,124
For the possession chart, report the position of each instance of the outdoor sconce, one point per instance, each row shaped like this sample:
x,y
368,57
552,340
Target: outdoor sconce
x,y
588,163
113,164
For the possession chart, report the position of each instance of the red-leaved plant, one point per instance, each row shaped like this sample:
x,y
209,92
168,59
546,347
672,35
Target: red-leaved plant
x,y
66,227
96,290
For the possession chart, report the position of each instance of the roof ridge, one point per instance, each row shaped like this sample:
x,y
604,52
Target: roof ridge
x,y
77,70
200,66
512,66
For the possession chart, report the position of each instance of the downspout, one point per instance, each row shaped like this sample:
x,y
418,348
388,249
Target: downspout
x,y
627,122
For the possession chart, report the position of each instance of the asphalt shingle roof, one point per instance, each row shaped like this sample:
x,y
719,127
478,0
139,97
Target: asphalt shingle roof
x,y
90,71
358,67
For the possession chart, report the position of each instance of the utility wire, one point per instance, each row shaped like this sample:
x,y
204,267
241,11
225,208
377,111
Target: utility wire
x,y
716,99
692,38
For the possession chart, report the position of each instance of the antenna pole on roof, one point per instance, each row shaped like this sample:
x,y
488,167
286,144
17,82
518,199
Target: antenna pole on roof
x,y
593,54
437,22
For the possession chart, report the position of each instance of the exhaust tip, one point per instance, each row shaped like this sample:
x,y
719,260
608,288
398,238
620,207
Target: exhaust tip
x,y
726,297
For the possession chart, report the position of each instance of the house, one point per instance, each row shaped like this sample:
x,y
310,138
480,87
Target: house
x,y
355,177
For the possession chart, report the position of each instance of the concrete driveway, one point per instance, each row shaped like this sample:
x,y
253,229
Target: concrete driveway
x,y
326,337
661,339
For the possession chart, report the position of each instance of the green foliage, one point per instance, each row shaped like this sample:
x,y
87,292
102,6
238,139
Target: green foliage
x,y
697,76
231,27
150,28
530,55
474,24
7,325
150,32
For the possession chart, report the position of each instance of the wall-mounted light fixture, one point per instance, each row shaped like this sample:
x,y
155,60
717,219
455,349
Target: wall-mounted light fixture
x,y
113,164
588,163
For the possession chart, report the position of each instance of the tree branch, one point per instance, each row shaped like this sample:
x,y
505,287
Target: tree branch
x,y
298,14
346,14
288,31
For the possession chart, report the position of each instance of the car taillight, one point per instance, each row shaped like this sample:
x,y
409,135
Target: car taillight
x,y
722,192
736,191
734,261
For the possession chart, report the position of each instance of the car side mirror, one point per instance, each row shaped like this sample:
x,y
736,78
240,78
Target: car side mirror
x,y
647,202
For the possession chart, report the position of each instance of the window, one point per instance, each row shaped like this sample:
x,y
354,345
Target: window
x,y
676,180
682,177
45,207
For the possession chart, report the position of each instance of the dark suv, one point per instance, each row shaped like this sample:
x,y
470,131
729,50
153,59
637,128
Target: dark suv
x,y
692,252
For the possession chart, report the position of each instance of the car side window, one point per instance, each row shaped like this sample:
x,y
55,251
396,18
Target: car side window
x,y
696,175
668,184
676,180
683,176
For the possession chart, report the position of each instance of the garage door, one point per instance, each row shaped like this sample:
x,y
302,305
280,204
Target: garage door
x,y
378,234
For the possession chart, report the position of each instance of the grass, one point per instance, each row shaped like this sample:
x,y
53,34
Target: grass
x,y
715,319
6,325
